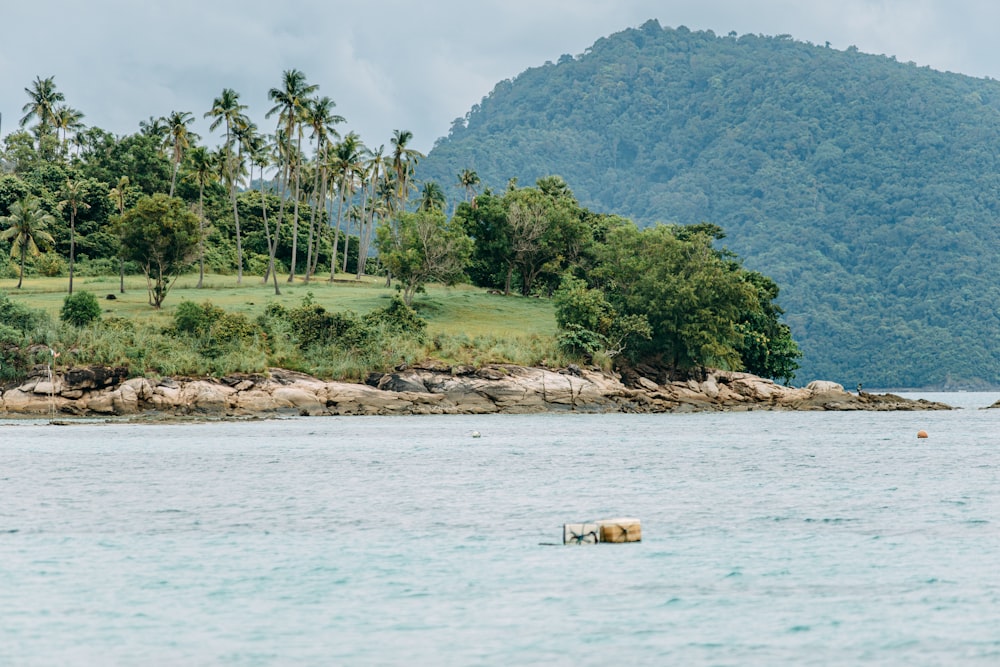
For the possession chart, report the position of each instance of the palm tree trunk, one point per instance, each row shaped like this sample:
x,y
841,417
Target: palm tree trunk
x,y
267,229
236,208
295,214
72,246
322,198
362,234
347,240
20,277
173,179
336,230
312,226
277,232
201,234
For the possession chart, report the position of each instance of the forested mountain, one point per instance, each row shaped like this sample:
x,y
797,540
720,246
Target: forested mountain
x,y
867,188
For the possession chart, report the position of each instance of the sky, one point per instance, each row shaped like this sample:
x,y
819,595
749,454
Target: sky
x,y
396,64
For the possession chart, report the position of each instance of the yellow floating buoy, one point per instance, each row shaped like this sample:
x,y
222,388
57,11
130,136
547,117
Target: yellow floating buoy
x,y
921,434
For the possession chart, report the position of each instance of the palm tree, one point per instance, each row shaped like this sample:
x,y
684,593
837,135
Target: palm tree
x,y
289,101
25,229
469,179
179,137
432,197
117,195
42,105
202,172
68,120
374,178
347,161
73,200
320,117
227,109
263,153
155,128
404,160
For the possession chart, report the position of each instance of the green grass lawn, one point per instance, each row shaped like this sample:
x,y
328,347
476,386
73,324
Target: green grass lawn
x,y
448,310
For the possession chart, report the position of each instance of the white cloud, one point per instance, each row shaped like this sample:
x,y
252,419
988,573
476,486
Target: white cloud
x,y
392,64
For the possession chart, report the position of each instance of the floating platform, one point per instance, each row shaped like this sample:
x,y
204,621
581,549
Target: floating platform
x,y
612,531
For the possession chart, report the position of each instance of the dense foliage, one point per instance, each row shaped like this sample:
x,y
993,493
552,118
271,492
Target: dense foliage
x,y
864,186
160,204
80,309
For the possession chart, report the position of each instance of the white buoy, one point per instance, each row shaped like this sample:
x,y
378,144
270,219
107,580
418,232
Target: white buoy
x,y
476,434
581,533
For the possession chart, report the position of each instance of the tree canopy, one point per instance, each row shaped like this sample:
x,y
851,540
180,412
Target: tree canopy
x,y
161,234
864,186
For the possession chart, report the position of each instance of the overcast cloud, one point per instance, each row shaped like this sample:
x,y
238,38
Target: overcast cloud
x,y
395,64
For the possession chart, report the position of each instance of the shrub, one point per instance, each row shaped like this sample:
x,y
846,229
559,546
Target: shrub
x,y
20,317
24,338
50,264
233,328
398,318
80,309
92,268
195,319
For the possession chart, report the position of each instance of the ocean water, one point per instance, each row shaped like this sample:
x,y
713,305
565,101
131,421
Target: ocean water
x,y
768,538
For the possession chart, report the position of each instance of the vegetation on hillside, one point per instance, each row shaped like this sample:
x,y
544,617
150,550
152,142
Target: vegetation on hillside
x,y
82,202
864,186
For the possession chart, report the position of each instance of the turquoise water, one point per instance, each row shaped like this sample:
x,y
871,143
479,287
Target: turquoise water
x,y
768,538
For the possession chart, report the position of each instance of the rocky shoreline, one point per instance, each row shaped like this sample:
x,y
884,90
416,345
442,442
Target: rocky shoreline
x,y
428,389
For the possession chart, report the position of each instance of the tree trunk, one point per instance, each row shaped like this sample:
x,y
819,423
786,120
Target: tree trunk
x,y
295,214
323,215
201,234
20,277
312,226
336,230
277,231
72,246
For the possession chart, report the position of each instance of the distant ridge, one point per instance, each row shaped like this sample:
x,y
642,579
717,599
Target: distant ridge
x,y
866,187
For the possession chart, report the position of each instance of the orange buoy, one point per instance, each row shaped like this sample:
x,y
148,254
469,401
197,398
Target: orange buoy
x,y
921,434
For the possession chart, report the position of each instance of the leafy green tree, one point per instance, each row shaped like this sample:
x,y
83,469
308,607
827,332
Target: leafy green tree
x,y
423,247
106,158
590,324
486,223
161,234
767,348
544,231
12,189
26,227
691,297
80,309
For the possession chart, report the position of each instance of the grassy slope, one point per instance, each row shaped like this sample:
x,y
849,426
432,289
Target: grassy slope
x,y
448,310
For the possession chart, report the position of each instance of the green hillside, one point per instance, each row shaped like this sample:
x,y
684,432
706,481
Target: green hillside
x,y
867,188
